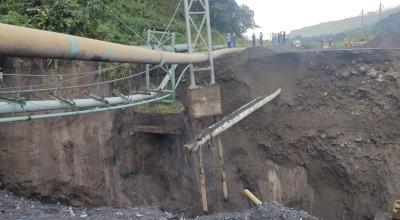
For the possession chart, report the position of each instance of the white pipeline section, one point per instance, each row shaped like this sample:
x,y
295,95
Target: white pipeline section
x,y
33,106
230,121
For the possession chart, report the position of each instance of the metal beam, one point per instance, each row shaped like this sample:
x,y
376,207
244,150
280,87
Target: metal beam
x,y
202,11
229,121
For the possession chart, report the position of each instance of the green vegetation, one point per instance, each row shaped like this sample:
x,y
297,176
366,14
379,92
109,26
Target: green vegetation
x,y
358,35
160,107
390,23
124,21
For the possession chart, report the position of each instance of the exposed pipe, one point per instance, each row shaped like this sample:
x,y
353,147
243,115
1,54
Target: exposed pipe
x,y
18,41
63,114
229,121
45,105
252,197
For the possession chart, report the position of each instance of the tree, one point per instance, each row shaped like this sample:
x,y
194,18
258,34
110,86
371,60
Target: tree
x,y
228,16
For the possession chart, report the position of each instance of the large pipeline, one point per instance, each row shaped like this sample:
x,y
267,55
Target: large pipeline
x,y
81,112
18,41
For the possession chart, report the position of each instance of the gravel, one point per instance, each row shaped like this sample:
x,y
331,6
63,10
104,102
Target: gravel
x,y
17,208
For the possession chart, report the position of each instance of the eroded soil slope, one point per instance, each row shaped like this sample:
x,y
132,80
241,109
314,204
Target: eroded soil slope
x,y
329,144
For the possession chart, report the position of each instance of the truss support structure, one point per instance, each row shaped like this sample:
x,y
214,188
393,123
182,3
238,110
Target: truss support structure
x,y
197,16
156,40
160,41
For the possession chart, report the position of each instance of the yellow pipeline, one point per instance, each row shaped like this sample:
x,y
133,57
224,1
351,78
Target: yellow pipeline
x,y
18,41
252,197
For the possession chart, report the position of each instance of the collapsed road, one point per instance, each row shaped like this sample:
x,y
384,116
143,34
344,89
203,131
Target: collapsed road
x,y
327,145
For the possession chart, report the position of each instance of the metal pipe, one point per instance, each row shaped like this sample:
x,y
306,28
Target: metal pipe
x,y
18,41
32,106
252,197
209,39
95,110
189,40
221,167
202,180
229,121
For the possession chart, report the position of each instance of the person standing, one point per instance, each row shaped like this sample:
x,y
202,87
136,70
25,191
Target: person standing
x,y
280,37
233,40
284,37
254,38
229,40
275,39
261,38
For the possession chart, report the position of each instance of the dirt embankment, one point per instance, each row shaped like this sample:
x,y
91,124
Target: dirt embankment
x,y
328,145
387,39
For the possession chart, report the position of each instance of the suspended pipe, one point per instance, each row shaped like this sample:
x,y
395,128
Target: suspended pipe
x,y
32,106
229,121
95,110
18,41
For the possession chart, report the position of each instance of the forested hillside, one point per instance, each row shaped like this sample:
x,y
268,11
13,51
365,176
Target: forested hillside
x,y
391,23
123,21
335,27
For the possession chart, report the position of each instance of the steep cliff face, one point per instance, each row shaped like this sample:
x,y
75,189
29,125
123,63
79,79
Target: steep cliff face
x,y
329,144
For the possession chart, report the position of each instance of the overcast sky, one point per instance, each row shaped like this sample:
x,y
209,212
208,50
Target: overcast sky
x,y
285,15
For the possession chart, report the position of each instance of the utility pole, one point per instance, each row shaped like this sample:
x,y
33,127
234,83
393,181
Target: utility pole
x,y
362,24
380,16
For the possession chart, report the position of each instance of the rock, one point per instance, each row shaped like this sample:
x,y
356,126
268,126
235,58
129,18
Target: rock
x,y
373,73
345,74
71,212
363,69
83,215
355,72
169,215
28,218
380,78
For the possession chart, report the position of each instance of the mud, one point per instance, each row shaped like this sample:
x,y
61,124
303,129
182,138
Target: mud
x,y
328,145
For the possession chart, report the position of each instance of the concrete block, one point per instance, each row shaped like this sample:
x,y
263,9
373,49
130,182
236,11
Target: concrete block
x,y
204,101
159,123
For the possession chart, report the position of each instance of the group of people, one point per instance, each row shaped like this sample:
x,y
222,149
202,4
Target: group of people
x,y
278,38
231,40
254,39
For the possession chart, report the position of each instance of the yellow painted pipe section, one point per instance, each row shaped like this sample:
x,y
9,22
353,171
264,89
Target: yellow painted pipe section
x,y
252,197
18,41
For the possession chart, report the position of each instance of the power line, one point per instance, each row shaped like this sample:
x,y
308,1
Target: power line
x,y
122,22
80,76
170,22
58,75
77,86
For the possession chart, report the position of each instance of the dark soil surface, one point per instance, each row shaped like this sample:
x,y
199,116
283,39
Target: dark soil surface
x,y
388,39
329,144
12,207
